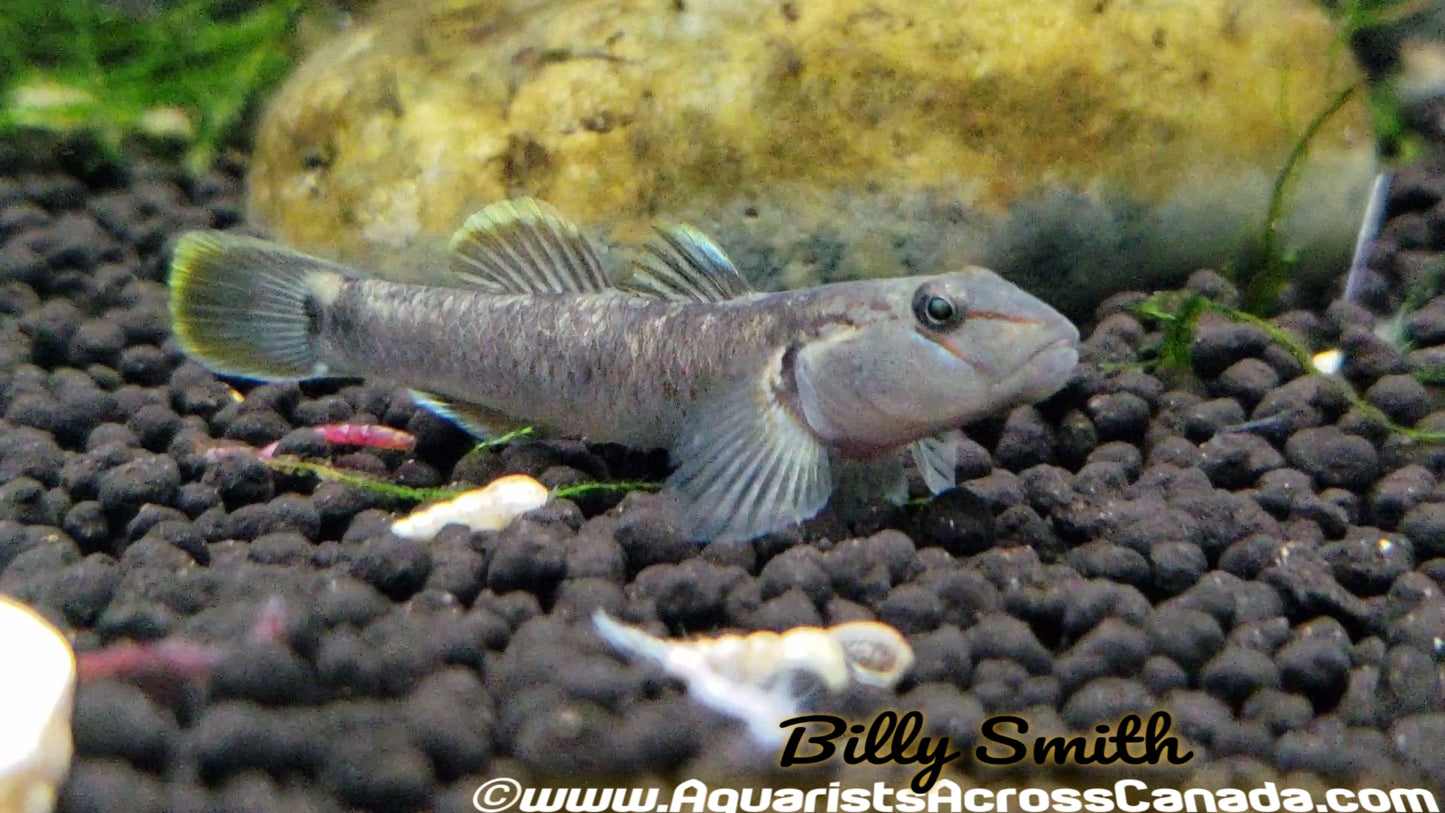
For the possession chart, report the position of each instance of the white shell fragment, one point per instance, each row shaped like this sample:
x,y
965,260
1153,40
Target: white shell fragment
x,y
37,689
1328,362
751,677
491,508
877,654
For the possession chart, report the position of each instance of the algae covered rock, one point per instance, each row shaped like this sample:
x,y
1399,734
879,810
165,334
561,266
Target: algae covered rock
x,y
1080,147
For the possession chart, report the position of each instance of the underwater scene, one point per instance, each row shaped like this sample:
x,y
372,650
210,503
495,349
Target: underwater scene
x,y
722,405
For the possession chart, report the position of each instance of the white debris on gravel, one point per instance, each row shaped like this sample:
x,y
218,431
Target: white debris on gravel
x,y
490,508
1328,362
37,691
751,677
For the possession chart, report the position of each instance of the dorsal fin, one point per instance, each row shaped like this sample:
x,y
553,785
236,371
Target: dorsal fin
x,y
682,264
525,246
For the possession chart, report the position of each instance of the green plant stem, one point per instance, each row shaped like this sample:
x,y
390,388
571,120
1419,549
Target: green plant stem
x,y
578,490
294,465
1263,288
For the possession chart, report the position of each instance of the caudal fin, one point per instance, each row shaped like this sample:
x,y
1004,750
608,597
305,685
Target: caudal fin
x,y
250,308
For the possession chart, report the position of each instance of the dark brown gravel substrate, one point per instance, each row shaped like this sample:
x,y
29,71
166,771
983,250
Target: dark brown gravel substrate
x,y
1111,551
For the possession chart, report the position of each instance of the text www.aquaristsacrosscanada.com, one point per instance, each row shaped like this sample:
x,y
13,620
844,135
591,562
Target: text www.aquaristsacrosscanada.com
x,y
1127,795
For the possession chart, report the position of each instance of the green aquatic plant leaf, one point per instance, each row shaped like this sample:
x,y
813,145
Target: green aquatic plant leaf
x,y
1178,314
1431,376
68,65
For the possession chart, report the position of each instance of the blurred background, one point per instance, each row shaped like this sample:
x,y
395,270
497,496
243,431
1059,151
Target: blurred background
x,y
1080,147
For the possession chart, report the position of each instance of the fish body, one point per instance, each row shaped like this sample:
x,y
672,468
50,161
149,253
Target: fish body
x,y
579,364
770,404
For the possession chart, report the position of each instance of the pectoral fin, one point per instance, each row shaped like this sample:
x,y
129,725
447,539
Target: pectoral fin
x,y
747,466
937,460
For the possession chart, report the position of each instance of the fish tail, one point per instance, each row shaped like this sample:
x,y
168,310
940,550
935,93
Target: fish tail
x,y
250,308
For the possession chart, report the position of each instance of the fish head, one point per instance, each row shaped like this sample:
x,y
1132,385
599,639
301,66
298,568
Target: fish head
x,y
932,353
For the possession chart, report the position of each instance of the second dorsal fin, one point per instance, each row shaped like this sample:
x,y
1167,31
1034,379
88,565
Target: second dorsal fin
x,y
525,246
682,264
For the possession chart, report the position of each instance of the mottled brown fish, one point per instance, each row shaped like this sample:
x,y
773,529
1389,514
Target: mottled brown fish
x,y
770,404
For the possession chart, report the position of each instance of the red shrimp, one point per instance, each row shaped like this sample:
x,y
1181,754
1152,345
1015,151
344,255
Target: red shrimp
x,y
372,436
176,659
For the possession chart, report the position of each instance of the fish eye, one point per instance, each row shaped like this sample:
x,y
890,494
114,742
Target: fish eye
x,y
934,310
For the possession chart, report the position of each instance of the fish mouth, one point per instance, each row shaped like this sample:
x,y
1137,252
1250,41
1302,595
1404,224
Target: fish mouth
x,y
1050,367
1067,344
1063,342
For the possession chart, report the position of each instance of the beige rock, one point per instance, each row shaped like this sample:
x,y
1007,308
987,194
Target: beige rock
x,y
1078,145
